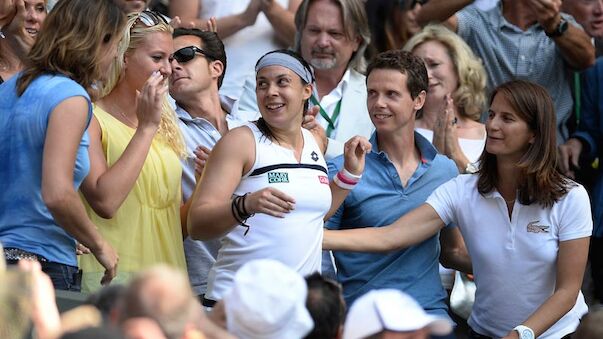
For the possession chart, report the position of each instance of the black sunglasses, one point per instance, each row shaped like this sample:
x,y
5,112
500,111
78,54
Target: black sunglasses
x,y
187,54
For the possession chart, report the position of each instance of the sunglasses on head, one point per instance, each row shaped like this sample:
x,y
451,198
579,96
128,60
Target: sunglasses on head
x,y
187,54
151,18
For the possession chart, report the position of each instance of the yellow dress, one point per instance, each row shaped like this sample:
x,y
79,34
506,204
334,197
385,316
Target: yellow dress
x,y
146,229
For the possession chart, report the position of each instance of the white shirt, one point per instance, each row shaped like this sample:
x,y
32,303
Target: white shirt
x,y
329,103
514,260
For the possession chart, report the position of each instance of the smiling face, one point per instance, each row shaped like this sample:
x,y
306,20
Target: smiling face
x,y
588,13
151,55
324,43
35,13
281,95
389,102
508,134
194,76
443,78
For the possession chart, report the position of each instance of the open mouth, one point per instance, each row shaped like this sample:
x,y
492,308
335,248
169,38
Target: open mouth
x,y
31,31
274,107
382,116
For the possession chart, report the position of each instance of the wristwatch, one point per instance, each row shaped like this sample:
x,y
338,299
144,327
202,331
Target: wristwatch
x,y
559,30
524,332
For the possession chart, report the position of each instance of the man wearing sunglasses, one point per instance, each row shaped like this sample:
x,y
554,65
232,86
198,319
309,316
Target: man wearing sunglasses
x,y
198,66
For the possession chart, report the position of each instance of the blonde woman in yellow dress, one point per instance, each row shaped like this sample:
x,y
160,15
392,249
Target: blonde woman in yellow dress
x,y
135,145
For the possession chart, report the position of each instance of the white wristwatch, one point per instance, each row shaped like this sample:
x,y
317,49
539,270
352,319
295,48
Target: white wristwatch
x,y
524,332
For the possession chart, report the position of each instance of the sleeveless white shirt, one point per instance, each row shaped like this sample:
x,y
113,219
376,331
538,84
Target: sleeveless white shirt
x,y
296,239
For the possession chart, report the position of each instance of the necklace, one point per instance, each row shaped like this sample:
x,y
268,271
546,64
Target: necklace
x,y
113,108
128,121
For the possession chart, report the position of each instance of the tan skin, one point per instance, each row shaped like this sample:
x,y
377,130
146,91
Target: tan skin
x,y
393,111
106,187
67,123
325,45
20,35
281,95
508,137
280,17
440,111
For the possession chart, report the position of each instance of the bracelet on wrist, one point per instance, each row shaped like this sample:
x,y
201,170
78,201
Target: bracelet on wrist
x,y
349,176
239,212
346,180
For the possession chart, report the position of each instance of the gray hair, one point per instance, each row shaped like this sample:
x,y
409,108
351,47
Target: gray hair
x,y
355,24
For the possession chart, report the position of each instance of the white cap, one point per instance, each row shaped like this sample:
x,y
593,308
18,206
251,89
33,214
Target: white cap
x,y
390,310
267,300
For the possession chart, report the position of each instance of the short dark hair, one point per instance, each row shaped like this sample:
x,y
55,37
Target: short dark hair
x,y
406,63
210,43
326,306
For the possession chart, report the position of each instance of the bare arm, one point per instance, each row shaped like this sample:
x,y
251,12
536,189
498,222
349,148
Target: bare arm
x,y
106,187
188,10
412,228
65,129
571,262
454,253
282,19
210,215
575,45
442,11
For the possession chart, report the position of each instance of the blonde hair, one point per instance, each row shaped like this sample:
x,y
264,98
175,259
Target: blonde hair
x,y
71,41
133,37
470,96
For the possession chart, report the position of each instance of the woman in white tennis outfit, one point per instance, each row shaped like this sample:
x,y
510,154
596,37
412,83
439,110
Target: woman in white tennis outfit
x,y
265,188
526,226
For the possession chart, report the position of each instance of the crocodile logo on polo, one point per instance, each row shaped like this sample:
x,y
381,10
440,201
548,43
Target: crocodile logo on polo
x,y
533,227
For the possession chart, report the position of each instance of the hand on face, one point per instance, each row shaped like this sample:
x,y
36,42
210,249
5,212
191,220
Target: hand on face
x,y
150,100
7,12
17,29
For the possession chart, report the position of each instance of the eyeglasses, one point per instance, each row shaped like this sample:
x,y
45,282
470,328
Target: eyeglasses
x,y
187,54
151,18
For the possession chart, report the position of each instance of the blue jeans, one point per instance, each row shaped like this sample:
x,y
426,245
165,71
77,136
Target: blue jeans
x,y
63,277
